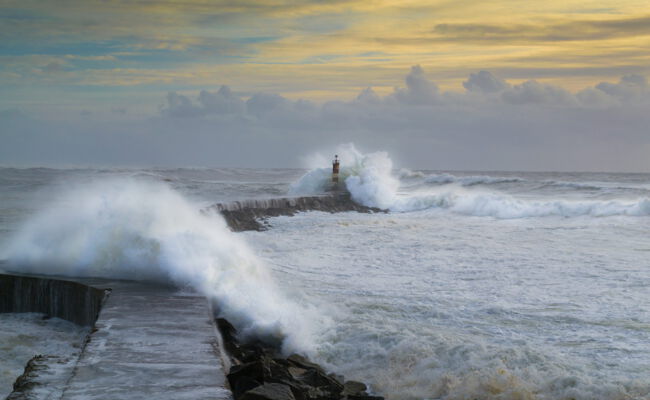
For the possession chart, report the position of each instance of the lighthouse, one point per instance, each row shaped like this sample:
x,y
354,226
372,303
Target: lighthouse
x,y
335,173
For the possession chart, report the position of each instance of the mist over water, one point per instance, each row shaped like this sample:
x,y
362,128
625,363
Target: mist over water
x,y
476,285
371,181
139,229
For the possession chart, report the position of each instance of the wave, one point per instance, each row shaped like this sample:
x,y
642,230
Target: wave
x,y
370,181
475,180
136,229
406,173
442,179
451,368
504,206
368,178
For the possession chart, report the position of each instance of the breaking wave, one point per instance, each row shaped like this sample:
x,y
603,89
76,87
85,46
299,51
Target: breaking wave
x,y
442,179
369,179
486,204
141,230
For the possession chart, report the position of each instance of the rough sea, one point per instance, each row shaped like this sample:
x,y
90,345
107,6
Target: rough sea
x,y
476,285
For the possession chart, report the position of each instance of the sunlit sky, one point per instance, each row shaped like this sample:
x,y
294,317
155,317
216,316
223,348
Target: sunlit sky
x,y
98,52
122,60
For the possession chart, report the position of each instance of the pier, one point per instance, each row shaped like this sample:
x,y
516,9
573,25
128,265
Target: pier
x,y
252,215
149,341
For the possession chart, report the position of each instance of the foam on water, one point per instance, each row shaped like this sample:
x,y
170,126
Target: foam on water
x,y
142,230
491,286
369,179
25,335
469,180
439,306
500,205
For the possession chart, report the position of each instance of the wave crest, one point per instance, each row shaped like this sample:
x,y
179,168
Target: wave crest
x,y
141,230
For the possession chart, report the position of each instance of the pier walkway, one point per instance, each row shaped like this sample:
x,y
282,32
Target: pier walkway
x,y
150,342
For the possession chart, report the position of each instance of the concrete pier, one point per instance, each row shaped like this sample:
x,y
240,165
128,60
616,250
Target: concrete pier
x,y
63,299
149,342
246,215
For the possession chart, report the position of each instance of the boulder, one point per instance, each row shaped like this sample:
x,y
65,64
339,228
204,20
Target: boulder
x,y
269,391
255,370
242,385
301,362
354,388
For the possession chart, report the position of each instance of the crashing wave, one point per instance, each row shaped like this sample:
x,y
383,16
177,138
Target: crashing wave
x,y
370,181
142,230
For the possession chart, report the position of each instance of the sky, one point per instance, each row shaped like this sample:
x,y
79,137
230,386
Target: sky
x,y
451,85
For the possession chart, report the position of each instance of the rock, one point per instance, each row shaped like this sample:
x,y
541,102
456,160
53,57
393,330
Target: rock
x,y
354,388
246,215
339,378
269,391
259,373
296,373
302,362
255,370
33,367
317,378
242,385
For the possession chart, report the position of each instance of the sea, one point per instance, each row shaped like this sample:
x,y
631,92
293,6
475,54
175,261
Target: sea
x,y
474,285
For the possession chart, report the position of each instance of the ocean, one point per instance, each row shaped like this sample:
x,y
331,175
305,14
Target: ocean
x,y
476,285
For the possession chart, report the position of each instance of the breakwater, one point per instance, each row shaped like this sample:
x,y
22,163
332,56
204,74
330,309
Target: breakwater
x,y
259,372
147,341
63,299
252,215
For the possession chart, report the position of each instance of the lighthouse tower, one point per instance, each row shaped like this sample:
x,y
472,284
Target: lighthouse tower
x,y
335,173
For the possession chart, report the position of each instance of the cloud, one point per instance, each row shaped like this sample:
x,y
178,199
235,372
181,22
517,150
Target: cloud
x,y
368,96
492,124
263,103
533,92
221,102
481,87
224,101
484,81
181,106
53,67
553,31
119,110
630,88
419,89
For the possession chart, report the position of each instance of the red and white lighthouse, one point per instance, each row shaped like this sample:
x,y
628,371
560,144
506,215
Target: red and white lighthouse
x,y
335,173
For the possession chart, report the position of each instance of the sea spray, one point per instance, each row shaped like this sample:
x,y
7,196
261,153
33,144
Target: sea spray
x,y
370,180
367,177
503,206
143,230
435,305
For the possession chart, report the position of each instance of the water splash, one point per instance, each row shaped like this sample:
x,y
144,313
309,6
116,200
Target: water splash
x,y
136,229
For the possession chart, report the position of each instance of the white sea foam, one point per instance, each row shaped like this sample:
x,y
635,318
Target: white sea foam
x,y
370,181
137,229
367,177
442,179
440,306
434,304
500,205
25,335
405,173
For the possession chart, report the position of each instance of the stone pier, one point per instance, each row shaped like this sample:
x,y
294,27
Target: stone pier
x,y
149,342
